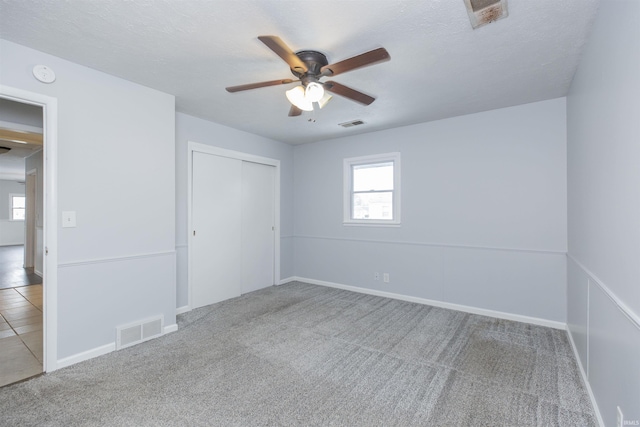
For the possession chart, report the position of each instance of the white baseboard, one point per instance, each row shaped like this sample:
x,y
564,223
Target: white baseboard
x,y
287,280
183,309
86,355
170,328
39,273
100,351
458,307
585,379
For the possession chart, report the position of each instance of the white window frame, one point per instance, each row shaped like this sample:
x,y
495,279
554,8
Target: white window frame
x,y
347,180
11,196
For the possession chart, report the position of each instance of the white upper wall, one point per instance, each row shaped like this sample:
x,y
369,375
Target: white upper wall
x,y
116,153
492,179
603,148
604,142
483,213
116,170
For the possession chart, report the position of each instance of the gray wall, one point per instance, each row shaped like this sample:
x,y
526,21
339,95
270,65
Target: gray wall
x,y
11,232
603,113
189,128
24,114
116,169
483,212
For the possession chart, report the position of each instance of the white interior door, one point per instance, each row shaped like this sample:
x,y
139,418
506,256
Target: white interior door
x,y
258,222
217,223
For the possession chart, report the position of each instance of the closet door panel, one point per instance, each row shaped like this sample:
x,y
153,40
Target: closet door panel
x,y
258,221
216,258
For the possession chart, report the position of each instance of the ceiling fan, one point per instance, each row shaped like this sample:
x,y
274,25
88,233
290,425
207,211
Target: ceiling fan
x,y
309,66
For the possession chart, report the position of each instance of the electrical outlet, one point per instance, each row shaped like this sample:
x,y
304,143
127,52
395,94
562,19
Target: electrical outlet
x,y
620,421
385,277
376,276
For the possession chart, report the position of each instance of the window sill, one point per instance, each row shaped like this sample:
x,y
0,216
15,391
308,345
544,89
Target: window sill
x,y
371,223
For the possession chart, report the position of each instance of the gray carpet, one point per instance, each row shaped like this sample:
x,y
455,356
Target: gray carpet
x,y
307,355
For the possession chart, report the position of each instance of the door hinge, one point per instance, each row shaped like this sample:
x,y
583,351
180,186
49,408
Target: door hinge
x,y
194,232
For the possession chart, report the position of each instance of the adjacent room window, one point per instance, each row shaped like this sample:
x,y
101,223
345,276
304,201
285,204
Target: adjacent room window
x,y
17,206
372,190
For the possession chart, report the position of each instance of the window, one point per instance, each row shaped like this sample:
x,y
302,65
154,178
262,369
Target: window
x,y
372,190
17,205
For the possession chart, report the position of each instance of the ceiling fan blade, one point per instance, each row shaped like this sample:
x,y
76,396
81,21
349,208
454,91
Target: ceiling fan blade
x,y
259,85
347,92
294,111
363,60
283,51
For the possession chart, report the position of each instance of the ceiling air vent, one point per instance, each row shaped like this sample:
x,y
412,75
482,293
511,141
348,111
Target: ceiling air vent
x,y
482,12
351,124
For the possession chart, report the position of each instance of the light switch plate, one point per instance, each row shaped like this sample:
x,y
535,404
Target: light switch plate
x,y
68,219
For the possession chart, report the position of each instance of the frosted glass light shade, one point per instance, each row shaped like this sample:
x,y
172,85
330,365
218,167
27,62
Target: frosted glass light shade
x,y
314,92
323,101
296,96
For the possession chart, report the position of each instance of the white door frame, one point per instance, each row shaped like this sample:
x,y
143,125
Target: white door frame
x,y
216,151
50,175
30,219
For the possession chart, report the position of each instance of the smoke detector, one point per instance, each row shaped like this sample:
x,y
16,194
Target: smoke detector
x,y
483,12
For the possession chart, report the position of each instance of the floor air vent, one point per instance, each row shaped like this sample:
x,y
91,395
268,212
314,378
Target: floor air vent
x,y
135,333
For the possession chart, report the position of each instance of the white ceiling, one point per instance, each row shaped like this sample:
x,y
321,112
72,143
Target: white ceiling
x,y
193,49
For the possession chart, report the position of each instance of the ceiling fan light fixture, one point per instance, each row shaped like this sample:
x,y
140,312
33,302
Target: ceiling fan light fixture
x,y
309,66
314,92
323,101
296,96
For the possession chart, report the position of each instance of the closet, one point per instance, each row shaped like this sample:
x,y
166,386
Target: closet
x,y
232,236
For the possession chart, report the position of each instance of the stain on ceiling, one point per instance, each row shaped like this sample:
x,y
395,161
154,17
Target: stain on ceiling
x,y
440,67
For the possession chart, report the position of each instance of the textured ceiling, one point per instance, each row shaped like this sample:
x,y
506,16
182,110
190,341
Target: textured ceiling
x,y
193,49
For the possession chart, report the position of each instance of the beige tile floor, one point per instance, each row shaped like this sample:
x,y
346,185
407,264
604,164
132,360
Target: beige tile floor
x,y
20,333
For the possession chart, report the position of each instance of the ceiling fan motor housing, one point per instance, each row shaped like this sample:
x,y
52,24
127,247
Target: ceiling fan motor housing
x,y
314,61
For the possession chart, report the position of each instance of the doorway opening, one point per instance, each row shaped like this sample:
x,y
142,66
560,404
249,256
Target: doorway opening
x,y
28,275
21,303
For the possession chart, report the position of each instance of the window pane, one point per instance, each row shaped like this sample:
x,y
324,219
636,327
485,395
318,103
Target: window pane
x,y
18,214
375,177
18,202
373,205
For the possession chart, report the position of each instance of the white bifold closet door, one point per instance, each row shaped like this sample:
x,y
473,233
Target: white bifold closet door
x,y
233,205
